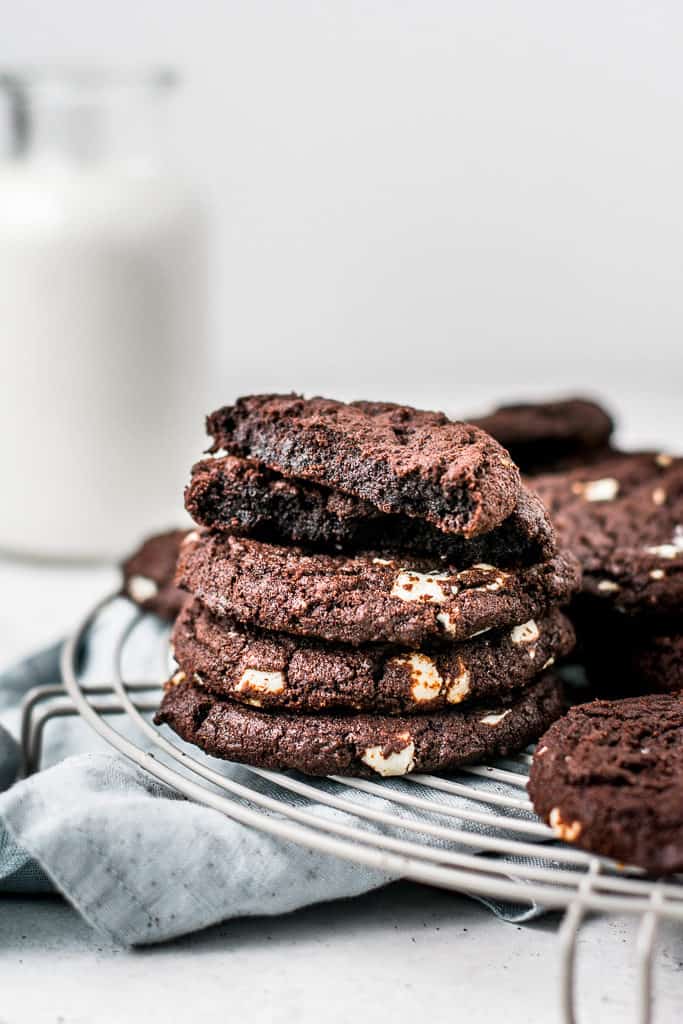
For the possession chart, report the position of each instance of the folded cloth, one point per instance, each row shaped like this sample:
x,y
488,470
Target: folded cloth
x,y
144,865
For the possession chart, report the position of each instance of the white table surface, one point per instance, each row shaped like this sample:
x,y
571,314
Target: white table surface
x,y
406,953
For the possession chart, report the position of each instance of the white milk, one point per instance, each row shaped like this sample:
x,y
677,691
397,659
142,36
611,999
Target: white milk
x,y
102,353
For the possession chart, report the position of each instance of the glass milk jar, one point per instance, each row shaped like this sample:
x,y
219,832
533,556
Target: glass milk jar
x,y
102,312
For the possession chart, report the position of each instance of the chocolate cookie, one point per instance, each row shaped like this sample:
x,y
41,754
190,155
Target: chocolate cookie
x,y
655,663
624,657
148,575
359,744
241,496
543,436
273,670
623,519
609,778
365,598
401,460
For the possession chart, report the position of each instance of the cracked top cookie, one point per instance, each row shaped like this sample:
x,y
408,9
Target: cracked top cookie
x,y
402,460
544,436
242,496
609,778
273,670
360,744
365,598
623,519
148,575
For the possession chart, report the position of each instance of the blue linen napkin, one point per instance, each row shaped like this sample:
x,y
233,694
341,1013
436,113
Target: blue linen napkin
x,y
138,861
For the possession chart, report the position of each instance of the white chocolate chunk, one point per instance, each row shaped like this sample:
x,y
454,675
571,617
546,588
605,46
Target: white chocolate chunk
x,y
419,586
496,583
425,678
600,490
264,682
177,679
568,831
608,586
494,719
447,622
399,762
549,661
659,496
671,550
526,633
663,459
382,561
657,574
458,686
142,589
664,550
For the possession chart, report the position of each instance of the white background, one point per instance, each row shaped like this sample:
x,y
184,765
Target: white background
x,y
447,202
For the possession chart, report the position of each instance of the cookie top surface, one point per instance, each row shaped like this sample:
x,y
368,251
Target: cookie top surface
x,y
609,778
273,670
365,598
542,436
242,496
360,744
401,460
623,519
149,572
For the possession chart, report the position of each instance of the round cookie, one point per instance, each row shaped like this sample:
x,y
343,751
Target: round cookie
x,y
148,575
623,519
609,778
242,496
360,744
364,598
401,460
546,436
272,670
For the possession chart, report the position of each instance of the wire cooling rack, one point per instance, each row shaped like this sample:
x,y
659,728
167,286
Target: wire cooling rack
x,y
473,831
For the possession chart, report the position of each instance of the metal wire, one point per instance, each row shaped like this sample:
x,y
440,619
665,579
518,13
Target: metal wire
x,y
421,827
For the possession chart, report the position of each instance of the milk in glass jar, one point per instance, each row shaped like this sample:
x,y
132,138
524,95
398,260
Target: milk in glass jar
x,y
103,361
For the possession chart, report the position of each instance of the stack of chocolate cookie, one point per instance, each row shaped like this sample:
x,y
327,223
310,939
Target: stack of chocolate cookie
x,y
622,517
373,591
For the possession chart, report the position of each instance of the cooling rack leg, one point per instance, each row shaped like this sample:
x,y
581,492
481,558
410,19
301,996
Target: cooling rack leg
x,y
645,950
568,935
